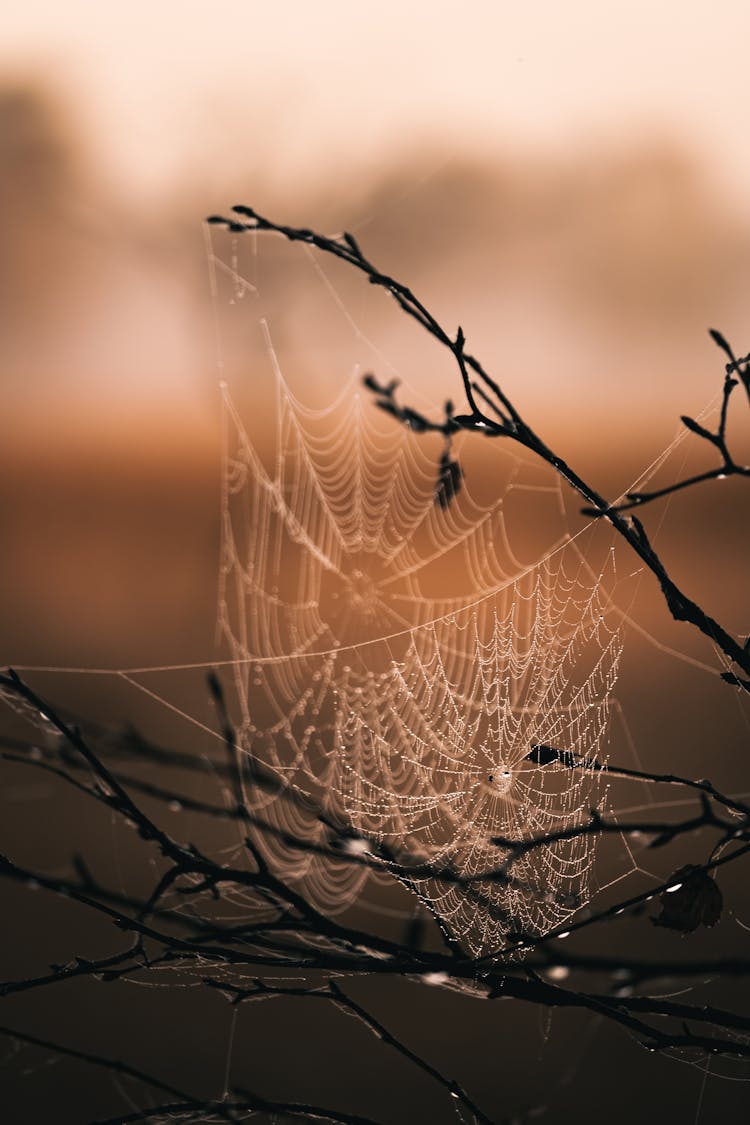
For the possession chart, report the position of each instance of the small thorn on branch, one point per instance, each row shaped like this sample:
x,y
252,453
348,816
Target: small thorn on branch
x,y
353,245
696,428
735,680
721,342
385,389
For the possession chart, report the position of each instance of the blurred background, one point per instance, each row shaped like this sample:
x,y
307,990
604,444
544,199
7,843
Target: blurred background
x,y
567,182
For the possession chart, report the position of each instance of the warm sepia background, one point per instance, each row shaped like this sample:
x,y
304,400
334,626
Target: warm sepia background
x,y
569,182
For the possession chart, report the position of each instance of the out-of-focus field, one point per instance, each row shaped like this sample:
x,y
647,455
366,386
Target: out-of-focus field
x,y
586,286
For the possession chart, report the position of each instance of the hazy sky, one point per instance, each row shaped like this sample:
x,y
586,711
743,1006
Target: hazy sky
x,y
339,82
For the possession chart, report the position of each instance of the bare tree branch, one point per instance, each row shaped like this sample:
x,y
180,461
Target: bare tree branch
x,y
511,424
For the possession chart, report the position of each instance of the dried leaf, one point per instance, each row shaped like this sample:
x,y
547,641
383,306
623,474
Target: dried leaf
x,y
692,899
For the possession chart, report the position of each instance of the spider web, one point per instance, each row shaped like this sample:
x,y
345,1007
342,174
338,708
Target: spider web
x,y
394,659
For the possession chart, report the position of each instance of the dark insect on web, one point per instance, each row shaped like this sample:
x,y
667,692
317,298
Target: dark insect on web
x,y
450,476
544,755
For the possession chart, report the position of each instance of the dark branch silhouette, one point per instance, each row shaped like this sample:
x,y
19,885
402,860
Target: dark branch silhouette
x,y
295,936
736,371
